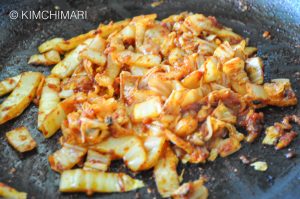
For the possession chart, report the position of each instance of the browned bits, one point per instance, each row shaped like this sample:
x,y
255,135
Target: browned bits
x,y
266,35
279,132
285,140
12,170
290,155
149,190
137,196
244,159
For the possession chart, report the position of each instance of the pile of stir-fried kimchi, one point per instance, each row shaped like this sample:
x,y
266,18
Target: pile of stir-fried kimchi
x,y
152,93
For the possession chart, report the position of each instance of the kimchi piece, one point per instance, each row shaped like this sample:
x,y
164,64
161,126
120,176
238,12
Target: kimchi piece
x,y
153,93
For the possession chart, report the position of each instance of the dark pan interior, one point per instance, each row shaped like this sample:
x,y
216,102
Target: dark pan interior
x,y
228,178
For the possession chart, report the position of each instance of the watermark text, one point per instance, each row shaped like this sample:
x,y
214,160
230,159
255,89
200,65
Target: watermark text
x,y
48,14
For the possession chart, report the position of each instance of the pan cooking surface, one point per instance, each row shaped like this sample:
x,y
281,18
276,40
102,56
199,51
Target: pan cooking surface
x,y
228,177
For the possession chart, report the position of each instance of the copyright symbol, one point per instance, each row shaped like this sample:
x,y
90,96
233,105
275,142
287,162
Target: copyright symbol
x,y
13,14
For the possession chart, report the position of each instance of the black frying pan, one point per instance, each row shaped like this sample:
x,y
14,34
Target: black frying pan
x,y
228,178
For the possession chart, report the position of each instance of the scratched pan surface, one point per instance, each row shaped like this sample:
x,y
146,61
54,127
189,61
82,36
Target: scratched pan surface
x,y
228,178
